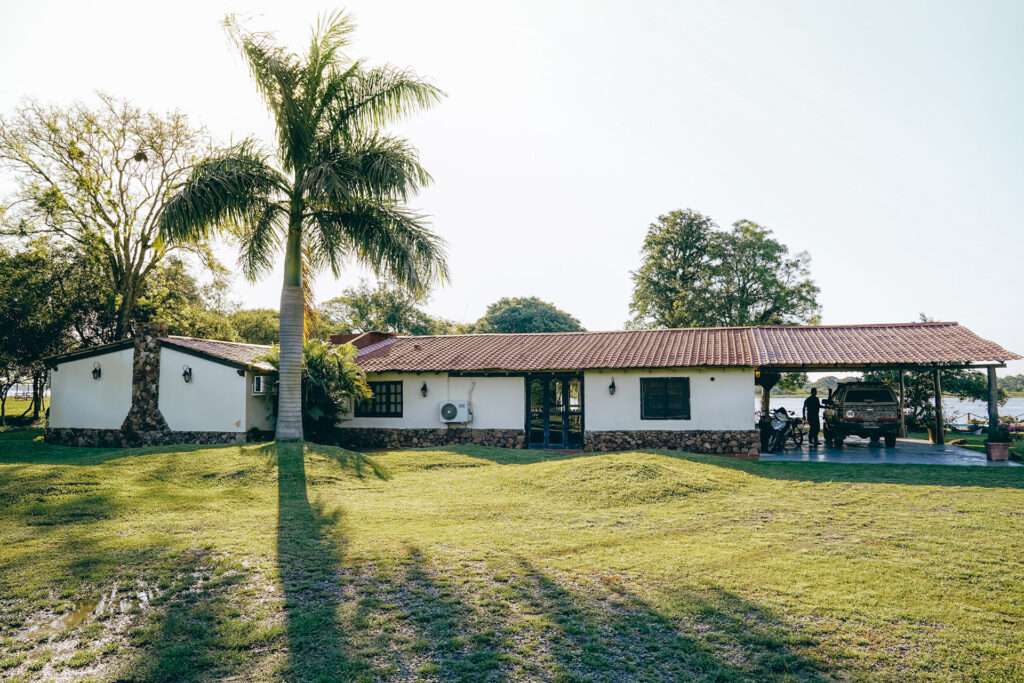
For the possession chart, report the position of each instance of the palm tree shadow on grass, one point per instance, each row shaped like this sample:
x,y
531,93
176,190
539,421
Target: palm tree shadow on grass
x,y
620,637
459,644
309,552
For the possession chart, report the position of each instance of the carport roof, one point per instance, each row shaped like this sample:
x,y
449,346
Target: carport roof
x,y
899,344
806,347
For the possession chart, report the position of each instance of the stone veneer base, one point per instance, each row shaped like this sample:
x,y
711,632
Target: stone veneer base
x,y
742,443
385,437
74,436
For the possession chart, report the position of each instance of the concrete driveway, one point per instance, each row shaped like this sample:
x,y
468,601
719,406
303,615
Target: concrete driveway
x,y
907,452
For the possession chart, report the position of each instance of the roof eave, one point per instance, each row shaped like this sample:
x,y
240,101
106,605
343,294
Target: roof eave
x,y
239,365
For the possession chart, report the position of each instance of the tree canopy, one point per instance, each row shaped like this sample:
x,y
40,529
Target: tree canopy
x,y
694,275
526,314
255,325
387,307
99,178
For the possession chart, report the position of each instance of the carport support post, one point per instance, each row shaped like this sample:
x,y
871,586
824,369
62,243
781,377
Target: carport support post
x,y
903,404
993,403
940,424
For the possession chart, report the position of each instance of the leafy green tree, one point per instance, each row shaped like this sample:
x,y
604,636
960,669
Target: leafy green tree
x,y
526,314
174,300
35,319
99,178
694,275
256,325
331,378
384,308
1014,383
667,288
337,192
792,383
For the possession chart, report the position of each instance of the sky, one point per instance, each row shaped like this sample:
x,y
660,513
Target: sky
x,y
883,138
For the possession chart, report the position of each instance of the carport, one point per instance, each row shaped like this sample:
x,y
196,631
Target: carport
x,y
901,347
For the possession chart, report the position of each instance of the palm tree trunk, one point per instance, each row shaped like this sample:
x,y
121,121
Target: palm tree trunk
x,y
289,387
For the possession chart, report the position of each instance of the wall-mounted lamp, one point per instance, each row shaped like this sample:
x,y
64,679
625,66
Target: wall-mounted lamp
x,y
611,388
423,390
186,373
97,371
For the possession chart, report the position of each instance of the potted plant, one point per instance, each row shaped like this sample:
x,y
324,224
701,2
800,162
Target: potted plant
x,y
997,446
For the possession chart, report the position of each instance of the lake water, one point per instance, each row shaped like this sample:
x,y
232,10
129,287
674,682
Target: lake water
x,y
953,408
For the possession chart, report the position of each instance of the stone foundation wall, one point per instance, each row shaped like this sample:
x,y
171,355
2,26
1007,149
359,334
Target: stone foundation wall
x,y
373,438
117,438
745,443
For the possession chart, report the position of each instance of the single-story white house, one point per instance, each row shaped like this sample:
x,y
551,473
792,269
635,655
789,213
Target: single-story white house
x,y
160,390
688,389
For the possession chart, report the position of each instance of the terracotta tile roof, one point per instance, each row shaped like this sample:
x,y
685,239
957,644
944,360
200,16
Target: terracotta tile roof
x,y
846,345
825,346
234,353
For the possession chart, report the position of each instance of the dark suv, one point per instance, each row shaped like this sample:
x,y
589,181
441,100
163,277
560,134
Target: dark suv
x,y
861,409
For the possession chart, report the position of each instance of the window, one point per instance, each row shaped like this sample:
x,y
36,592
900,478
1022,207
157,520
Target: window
x,y
872,395
259,384
386,401
665,398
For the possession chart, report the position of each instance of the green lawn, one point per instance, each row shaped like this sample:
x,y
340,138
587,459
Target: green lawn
x,y
253,563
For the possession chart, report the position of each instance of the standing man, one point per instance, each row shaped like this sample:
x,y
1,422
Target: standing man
x,y
812,409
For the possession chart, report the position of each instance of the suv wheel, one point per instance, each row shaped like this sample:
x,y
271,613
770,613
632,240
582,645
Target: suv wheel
x,y
890,441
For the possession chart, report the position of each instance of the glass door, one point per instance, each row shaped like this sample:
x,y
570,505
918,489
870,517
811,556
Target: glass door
x,y
554,411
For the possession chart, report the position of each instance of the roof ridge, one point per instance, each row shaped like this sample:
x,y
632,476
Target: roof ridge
x,y
928,323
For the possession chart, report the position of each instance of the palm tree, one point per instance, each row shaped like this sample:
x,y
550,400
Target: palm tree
x,y
338,189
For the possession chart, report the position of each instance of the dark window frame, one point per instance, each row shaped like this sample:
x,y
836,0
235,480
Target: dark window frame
x,y
388,400
648,386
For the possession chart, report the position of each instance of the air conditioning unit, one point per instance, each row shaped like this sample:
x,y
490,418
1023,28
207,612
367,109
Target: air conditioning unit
x,y
455,411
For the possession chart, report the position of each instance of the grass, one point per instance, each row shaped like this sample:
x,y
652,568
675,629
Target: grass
x,y
263,563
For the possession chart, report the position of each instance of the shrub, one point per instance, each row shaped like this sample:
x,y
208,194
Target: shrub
x,y
330,379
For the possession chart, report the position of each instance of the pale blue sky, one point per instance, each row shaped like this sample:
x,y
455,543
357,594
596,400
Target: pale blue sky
x,y
882,137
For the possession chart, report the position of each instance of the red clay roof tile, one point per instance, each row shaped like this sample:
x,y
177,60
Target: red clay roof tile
x,y
824,346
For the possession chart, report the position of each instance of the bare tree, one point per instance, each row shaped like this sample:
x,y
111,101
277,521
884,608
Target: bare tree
x,y
99,177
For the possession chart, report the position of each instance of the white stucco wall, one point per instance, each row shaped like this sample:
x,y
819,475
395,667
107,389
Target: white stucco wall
x,y
258,412
724,403
214,401
78,400
497,402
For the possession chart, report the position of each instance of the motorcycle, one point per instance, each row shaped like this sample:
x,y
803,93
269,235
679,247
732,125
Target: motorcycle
x,y
786,428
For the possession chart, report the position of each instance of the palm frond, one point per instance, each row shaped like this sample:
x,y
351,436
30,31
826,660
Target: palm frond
x,y
330,37
231,188
374,166
369,98
391,240
259,241
278,74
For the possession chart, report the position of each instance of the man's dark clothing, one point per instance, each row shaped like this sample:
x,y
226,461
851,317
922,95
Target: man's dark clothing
x,y
812,407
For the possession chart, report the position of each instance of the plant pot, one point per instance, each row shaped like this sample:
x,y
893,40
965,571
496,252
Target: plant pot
x,y
997,451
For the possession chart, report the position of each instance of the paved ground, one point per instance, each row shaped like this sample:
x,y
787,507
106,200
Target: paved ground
x,y
907,452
